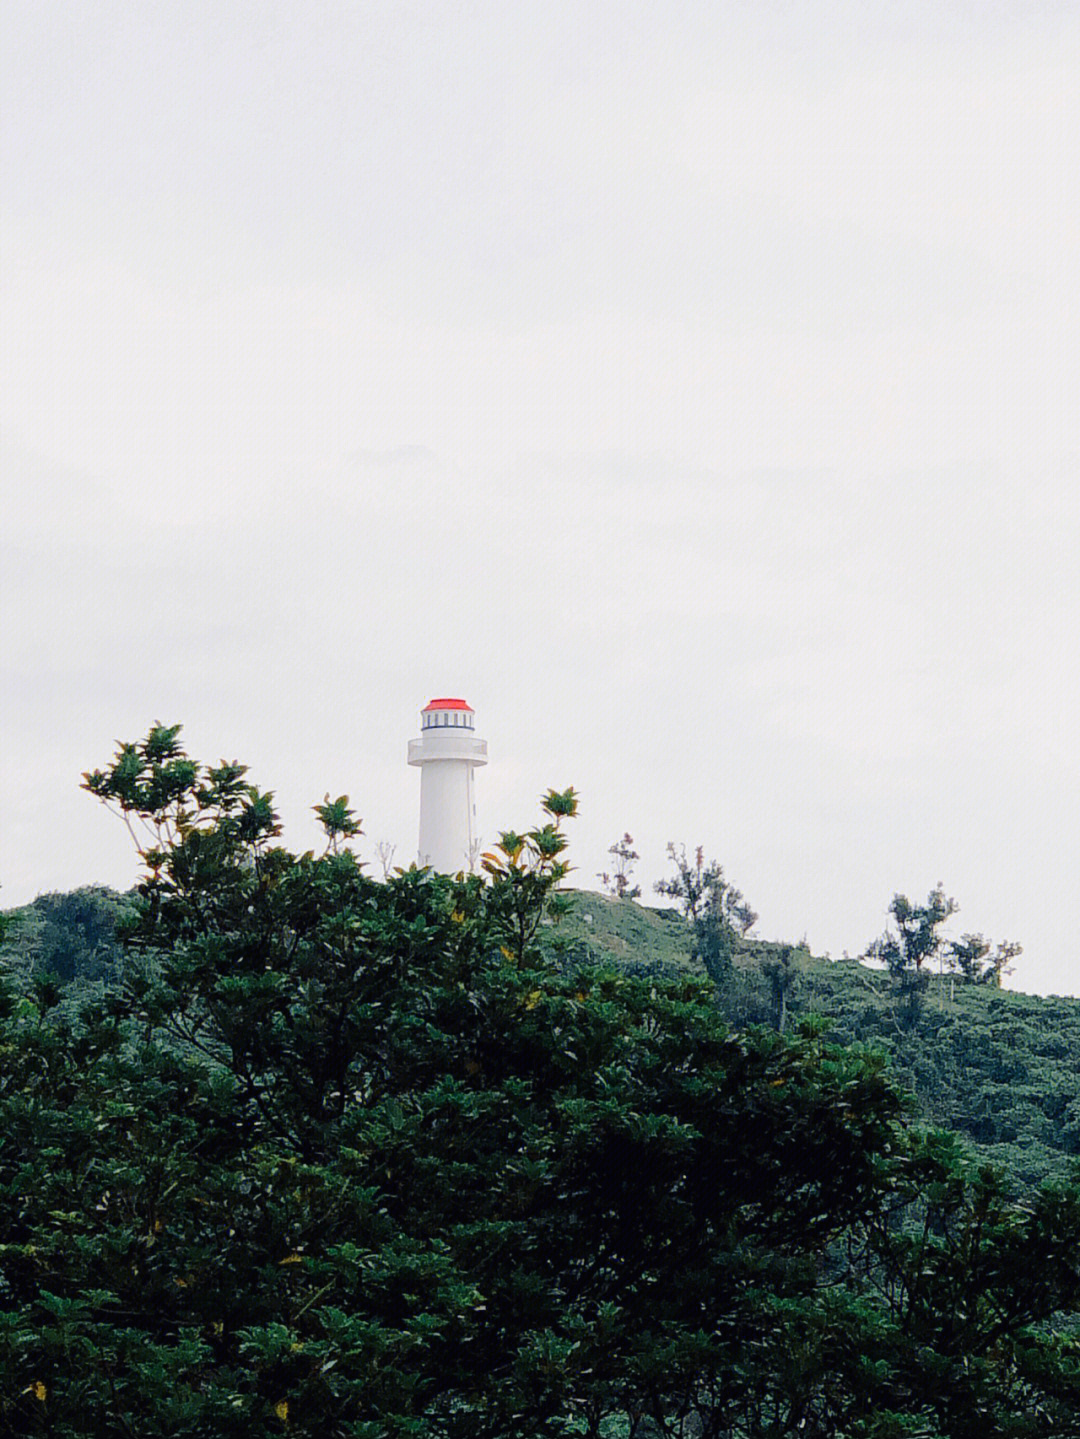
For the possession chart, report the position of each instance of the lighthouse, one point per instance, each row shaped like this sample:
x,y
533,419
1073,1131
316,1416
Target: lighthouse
x,y
447,752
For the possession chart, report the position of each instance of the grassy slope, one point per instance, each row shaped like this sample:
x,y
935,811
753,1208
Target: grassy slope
x,y
1000,1066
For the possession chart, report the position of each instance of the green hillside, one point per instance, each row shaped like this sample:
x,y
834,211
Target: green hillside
x,y
289,1147
999,1066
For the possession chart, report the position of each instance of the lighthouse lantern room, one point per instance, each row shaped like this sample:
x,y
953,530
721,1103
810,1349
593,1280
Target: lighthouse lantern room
x,y
447,752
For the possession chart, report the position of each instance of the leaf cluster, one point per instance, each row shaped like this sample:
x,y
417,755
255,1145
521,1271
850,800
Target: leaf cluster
x,y
526,871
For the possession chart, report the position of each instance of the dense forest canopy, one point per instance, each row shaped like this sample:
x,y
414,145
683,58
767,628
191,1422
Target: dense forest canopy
x,y
321,1155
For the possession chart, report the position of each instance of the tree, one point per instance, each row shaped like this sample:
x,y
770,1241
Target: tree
x,y
917,939
341,1157
78,929
715,909
527,871
617,883
971,956
915,943
338,821
967,1290
782,973
71,935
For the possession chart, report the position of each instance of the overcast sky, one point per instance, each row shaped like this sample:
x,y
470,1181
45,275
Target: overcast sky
x,y
692,387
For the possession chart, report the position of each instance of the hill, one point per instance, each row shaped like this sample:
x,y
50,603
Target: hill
x,y
997,1065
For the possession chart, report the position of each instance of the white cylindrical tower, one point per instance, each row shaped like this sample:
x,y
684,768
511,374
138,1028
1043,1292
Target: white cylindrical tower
x,y
447,753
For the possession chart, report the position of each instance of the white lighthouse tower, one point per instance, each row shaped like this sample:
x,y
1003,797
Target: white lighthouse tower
x,y
447,753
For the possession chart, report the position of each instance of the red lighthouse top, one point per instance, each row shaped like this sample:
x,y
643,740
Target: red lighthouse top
x,y
446,705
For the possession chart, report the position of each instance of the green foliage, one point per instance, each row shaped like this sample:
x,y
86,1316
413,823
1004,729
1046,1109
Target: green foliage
x,y
996,1065
917,939
986,1366
781,970
340,1158
972,957
338,821
526,872
714,908
71,936
78,935
916,942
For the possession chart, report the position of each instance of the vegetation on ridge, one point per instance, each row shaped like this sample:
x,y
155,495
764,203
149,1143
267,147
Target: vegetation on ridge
x,y
333,1157
996,1065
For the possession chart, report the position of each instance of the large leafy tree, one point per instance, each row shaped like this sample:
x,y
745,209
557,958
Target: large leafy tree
x,y
340,1158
